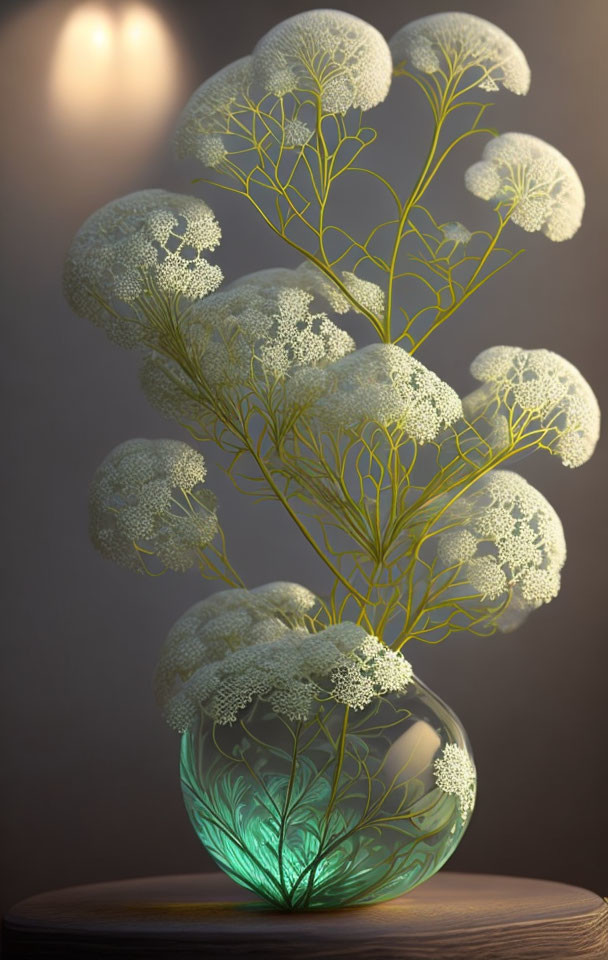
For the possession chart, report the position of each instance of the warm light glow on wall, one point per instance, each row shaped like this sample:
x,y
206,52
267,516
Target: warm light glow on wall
x,y
93,89
82,63
113,67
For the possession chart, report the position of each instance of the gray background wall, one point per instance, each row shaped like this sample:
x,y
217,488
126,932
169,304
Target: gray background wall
x,y
89,772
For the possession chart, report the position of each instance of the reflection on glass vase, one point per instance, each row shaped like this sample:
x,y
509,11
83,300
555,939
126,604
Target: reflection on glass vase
x,y
347,807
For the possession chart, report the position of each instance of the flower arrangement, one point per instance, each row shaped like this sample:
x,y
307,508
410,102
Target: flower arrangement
x,y
403,489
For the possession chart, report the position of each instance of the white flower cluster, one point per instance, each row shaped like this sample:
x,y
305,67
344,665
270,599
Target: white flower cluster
x,y
455,774
540,184
149,237
238,645
147,501
549,389
384,384
368,294
296,132
207,116
457,546
456,232
334,55
310,278
257,331
458,42
219,625
262,325
306,277
508,537
170,390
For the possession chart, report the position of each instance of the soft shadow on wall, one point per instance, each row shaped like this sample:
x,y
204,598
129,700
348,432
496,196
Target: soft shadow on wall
x,y
90,785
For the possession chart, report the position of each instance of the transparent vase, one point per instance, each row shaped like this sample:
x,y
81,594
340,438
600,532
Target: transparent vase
x,y
348,807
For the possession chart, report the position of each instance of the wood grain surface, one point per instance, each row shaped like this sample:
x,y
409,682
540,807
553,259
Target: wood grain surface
x,y
454,916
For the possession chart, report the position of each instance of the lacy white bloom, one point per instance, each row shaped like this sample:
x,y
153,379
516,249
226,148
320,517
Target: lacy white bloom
x,y
456,232
455,774
291,599
370,670
146,237
147,500
208,114
508,537
487,578
340,58
310,278
169,389
226,621
458,42
296,133
384,384
368,294
548,388
541,184
262,326
456,546
240,644
365,292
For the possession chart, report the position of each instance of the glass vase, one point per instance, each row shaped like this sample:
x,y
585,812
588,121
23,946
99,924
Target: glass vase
x,y
348,807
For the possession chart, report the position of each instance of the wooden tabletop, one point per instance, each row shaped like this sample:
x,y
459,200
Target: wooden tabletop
x,y
454,916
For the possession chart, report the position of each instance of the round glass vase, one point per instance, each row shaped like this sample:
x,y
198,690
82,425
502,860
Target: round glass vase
x,y
348,807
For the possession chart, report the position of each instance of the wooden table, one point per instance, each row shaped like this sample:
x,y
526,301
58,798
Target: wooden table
x,y
454,916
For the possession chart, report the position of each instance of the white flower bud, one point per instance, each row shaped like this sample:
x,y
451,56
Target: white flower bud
x,y
340,58
147,501
535,179
384,384
238,644
455,774
208,114
463,43
510,542
550,390
149,237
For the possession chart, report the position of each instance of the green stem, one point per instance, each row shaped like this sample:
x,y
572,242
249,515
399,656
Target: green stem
x,y
285,812
301,526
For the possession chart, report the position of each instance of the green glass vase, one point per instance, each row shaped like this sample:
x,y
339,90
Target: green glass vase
x,y
348,807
